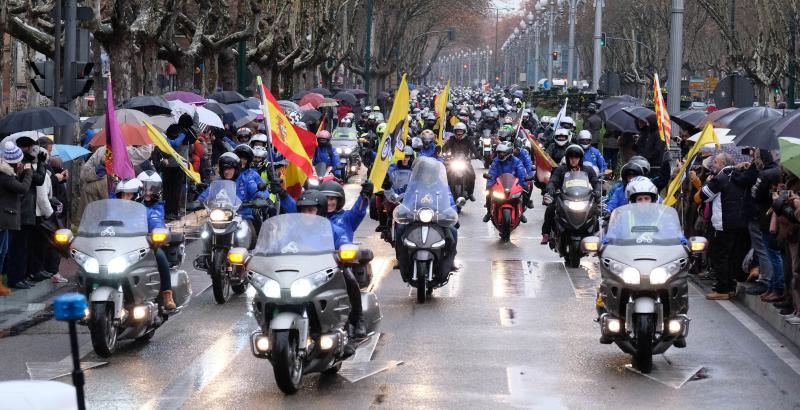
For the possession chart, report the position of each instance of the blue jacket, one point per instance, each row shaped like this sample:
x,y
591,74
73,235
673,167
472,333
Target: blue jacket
x,y
246,190
593,156
351,218
155,216
430,152
511,166
616,198
328,155
525,157
340,236
176,142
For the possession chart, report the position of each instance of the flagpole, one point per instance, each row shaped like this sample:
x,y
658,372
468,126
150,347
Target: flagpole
x,y
268,129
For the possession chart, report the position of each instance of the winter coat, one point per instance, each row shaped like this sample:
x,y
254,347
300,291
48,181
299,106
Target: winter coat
x,y
246,189
429,152
28,205
512,165
760,193
525,157
594,124
351,218
556,152
728,192
557,178
593,156
650,146
155,216
12,187
44,209
463,147
328,155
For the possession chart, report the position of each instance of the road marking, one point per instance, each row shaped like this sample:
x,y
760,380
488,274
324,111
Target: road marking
x,y
667,373
361,366
61,368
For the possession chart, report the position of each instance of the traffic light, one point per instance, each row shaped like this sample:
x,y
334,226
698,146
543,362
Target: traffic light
x,y
465,66
555,55
776,88
603,39
44,83
451,34
82,82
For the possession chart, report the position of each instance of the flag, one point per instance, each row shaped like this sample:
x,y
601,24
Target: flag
x,y
543,163
285,139
118,164
560,116
664,123
308,138
707,137
160,141
321,124
397,131
440,105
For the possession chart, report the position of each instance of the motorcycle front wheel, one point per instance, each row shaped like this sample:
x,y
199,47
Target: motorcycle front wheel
x,y
286,363
102,329
505,225
422,281
573,256
645,328
220,282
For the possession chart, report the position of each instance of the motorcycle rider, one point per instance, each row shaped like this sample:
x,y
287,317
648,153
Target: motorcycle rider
x,y
545,131
429,148
592,154
504,163
325,153
558,146
637,166
460,145
406,163
641,191
347,219
573,161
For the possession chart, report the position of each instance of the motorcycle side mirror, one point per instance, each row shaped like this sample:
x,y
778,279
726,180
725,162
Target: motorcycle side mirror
x,y
608,174
259,203
698,244
365,256
63,237
590,244
194,206
486,175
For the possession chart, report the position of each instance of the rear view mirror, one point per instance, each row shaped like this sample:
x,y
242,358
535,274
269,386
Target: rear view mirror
x,y
486,175
698,244
590,244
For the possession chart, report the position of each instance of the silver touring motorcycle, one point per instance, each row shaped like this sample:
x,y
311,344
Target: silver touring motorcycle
x,y
644,296
118,271
301,303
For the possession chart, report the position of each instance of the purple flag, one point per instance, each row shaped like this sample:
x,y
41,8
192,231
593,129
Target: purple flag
x,y
118,163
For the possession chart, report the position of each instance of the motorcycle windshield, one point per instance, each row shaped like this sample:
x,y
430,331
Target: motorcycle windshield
x,y
507,181
644,224
576,184
399,180
295,234
222,194
427,187
344,137
113,217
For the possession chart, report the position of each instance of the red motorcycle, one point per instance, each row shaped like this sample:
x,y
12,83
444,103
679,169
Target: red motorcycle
x,y
321,176
506,204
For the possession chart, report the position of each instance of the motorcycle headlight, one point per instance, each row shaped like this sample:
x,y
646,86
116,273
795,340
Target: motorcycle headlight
x,y
661,274
486,141
498,195
577,205
120,263
313,182
269,287
220,215
88,263
458,165
339,150
425,215
303,286
348,151
629,275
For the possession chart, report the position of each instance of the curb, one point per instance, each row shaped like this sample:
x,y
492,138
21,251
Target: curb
x,y
35,305
769,314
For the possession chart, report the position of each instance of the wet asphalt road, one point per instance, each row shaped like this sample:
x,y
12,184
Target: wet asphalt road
x,y
513,328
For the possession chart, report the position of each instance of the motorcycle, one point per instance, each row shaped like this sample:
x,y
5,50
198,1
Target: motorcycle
x,y
422,225
457,175
321,176
644,293
506,204
575,217
487,148
394,197
301,302
346,143
118,272
225,229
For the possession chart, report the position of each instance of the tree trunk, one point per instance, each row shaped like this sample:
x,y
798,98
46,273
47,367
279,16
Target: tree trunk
x,y
5,74
119,57
185,69
211,74
150,68
228,71
99,84
137,73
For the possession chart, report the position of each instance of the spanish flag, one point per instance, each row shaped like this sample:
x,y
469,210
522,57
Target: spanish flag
x,y
395,137
440,105
285,140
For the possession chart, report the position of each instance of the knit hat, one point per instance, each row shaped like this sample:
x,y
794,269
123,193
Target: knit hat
x,y
11,153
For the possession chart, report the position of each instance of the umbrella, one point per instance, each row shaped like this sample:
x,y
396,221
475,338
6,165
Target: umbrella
x,y
299,95
227,97
740,119
311,116
346,98
727,148
641,113
223,111
32,136
609,110
312,99
240,115
149,104
36,118
131,134
124,116
759,135
320,90
716,115
69,152
690,120
357,92
288,106
306,107
622,122
788,126
179,108
186,97
162,122
608,102
328,102
790,154
209,118
723,136
252,104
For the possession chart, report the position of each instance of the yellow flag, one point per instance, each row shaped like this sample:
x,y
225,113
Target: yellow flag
x,y
161,142
441,113
397,131
707,137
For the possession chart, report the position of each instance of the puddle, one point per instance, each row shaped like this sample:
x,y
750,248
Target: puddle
x,y
508,317
513,278
585,279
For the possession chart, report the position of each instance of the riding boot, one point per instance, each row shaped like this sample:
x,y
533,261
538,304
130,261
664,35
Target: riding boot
x,y
169,303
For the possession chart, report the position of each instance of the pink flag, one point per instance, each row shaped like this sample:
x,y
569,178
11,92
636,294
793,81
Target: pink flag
x,y
117,161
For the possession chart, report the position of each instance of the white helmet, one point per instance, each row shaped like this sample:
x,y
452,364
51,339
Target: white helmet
x,y
460,126
639,186
567,120
585,139
545,119
131,186
259,152
562,137
151,182
416,143
258,138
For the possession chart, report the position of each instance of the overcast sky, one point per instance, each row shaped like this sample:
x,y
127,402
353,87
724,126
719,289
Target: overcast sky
x,y
508,4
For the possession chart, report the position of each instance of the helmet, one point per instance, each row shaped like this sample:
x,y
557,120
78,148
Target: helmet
x,y
313,198
244,151
449,106
346,122
229,160
585,139
643,162
258,138
486,112
376,109
130,185
545,119
430,117
350,115
151,182
323,137
244,133
630,169
460,127
567,121
332,188
561,137
504,150
259,153
574,151
373,116
408,152
381,128
639,186
416,143
427,137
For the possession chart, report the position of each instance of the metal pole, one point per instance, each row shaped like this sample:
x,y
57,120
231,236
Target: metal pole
x,y
528,47
70,32
550,20
77,372
368,50
790,93
494,64
675,57
537,44
573,10
597,57
57,57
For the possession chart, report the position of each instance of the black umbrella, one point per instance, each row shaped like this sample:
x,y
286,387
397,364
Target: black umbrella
x,y
299,95
251,104
224,111
609,110
690,120
758,134
788,126
311,116
346,98
619,99
742,118
240,115
227,97
36,118
320,90
641,113
622,122
149,104
357,92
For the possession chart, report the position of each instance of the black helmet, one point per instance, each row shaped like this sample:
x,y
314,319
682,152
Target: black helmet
x,y
643,162
574,151
332,188
243,151
313,198
631,169
229,160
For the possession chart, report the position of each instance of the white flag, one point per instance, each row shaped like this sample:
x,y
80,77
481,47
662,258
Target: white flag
x,y
560,116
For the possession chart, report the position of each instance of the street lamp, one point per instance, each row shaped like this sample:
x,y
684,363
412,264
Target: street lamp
x,y
596,59
550,15
573,11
